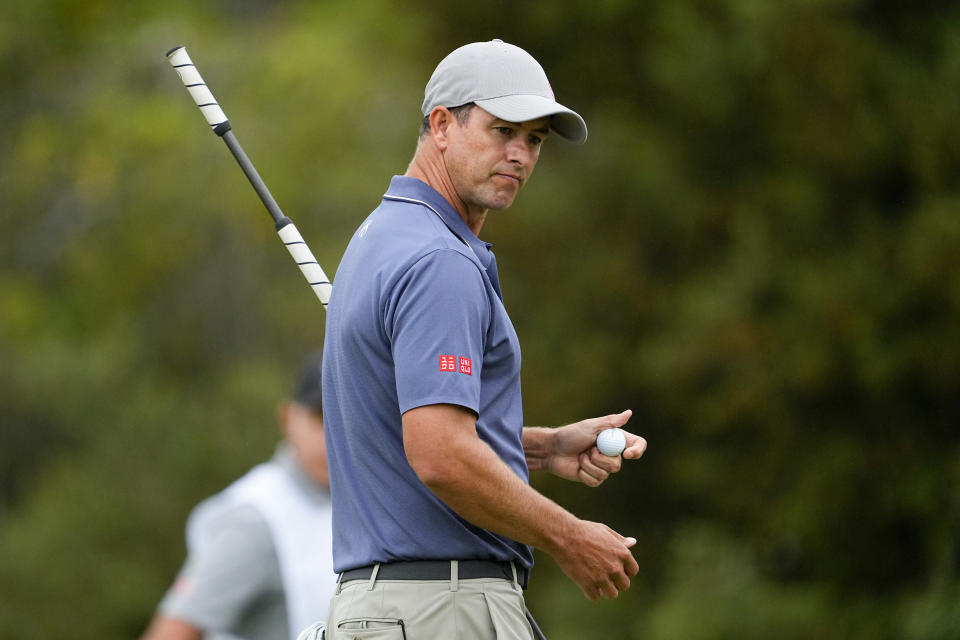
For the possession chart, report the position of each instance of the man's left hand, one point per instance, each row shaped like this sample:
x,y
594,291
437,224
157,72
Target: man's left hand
x,y
574,454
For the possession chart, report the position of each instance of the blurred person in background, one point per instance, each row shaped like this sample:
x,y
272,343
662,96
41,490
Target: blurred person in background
x,y
259,562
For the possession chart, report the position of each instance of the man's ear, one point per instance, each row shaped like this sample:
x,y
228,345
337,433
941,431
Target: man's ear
x,y
283,416
440,121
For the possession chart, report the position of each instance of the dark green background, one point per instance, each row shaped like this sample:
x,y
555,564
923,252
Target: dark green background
x,y
757,250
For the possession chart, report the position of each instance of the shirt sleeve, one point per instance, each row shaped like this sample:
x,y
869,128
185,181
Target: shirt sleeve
x,y
216,586
440,313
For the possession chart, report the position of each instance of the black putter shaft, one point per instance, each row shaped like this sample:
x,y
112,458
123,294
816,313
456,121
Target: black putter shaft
x,y
217,119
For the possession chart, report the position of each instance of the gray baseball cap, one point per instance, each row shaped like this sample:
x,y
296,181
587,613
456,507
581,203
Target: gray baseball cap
x,y
505,81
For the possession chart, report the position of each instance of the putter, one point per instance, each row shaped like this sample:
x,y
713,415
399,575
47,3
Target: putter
x,y
218,121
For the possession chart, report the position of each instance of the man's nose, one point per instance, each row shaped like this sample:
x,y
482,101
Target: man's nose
x,y
519,152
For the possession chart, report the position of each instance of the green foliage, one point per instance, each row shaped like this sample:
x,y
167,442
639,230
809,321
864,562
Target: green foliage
x,y
756,250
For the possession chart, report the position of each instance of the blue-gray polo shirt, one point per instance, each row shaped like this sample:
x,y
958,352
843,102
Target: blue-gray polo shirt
x,y
416,318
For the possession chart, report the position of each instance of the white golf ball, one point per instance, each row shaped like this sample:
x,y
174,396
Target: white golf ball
x,y
611,442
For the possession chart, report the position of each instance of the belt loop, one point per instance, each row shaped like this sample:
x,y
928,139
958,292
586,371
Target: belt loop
x,y
454,575
373,577
513,569
339,580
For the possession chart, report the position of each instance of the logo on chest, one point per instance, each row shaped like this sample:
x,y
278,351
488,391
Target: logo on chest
x,y
456,364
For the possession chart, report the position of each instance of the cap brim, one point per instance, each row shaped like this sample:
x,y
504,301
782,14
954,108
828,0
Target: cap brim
x,y
521,108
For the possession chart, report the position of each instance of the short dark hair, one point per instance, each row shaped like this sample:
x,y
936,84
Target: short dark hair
x,y
462,114
306,389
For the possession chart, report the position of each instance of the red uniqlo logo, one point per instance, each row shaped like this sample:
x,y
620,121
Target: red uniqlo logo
x,y
448,363
456,363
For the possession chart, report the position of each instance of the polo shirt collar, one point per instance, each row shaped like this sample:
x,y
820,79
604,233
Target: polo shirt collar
x,y
414,189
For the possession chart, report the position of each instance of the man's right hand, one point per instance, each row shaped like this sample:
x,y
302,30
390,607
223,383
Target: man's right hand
x,y
597,558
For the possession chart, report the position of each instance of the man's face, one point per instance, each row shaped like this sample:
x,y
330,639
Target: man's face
x,y
489,159
303,428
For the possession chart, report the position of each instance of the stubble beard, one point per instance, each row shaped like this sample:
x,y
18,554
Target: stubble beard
x,y
488,196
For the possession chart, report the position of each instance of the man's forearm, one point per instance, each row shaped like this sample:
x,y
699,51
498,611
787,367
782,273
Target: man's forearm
x,y
163,628
473,481
490,495
537,447
443,448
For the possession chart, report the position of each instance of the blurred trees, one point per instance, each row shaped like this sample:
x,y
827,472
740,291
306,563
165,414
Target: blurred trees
x,y
756,250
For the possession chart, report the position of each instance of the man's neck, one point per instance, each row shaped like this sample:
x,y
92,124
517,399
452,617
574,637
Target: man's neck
x,y
433,174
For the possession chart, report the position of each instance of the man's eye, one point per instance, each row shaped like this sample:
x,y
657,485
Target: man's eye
x,y
505,130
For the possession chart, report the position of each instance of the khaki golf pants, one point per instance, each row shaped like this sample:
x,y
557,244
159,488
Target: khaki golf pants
x,y
475,609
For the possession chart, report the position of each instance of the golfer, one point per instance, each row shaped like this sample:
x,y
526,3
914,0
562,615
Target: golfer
x,y
434,517
259,564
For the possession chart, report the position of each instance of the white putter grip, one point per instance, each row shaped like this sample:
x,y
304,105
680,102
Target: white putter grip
x,y
302,255
188,73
